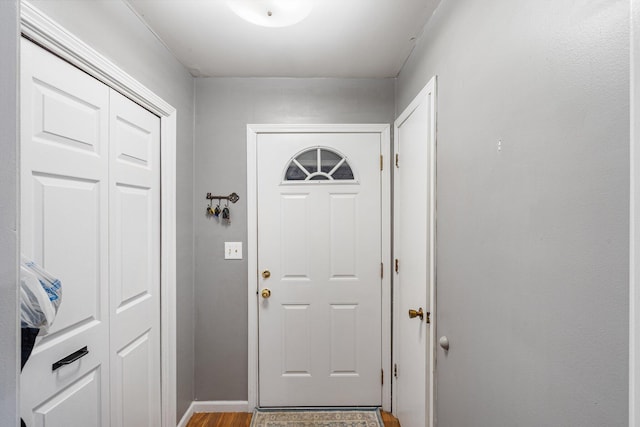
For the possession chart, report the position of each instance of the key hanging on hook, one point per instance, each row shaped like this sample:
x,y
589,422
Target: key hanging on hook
x,y
226,214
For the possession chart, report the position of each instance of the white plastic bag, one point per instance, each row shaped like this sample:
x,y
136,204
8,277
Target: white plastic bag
x,y
40,296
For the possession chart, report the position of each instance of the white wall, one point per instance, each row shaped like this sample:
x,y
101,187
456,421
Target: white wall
x,y
9,360
110,27
224,107
533,241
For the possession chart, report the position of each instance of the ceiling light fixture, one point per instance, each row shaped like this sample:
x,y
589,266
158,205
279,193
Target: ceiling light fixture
x,y
271,13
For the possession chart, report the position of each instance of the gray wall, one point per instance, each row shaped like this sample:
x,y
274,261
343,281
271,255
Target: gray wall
x,y
114,30
532,252
634,341
9,361
224,106
532,241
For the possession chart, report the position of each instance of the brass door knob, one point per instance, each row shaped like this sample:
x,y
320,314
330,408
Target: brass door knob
x,y
414,313
266,274
266,293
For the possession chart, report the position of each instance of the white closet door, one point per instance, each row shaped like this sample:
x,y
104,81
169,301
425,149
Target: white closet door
x,y
134,239
90,194
64,220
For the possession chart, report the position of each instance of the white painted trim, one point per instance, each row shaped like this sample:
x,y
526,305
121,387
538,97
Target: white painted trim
x,y
252,261
385,197
252,242
220,406
42,30
634,222
168,279
187,416
432,246
427,94
198,407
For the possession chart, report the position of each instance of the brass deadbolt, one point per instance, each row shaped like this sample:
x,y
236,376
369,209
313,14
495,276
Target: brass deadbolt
x,y
266,274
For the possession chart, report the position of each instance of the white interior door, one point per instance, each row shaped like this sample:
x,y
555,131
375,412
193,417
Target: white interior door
x,y
134,257
319,237
64,228
413,249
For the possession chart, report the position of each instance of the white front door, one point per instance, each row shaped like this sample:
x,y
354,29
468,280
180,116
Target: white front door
x,y
413,251
319,261
90,200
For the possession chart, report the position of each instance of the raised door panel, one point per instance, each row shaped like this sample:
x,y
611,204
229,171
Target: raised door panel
x,y
134,243
296,341
295,240
78,404
343,234
344,340
67,211
135,373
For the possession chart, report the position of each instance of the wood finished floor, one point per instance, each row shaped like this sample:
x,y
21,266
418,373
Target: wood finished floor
x,y
242,419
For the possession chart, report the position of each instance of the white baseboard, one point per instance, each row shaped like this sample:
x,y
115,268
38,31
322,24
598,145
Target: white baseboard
x,y
198,406
186,417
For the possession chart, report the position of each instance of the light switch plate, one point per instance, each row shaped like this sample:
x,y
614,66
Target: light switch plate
x,y
232,250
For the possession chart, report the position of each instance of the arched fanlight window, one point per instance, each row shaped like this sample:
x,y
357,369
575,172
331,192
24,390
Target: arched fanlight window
x,y
319,164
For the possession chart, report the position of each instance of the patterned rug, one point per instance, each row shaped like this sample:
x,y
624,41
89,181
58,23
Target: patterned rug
x,y
316,418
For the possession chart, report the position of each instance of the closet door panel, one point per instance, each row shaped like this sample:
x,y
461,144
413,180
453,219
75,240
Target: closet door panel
x,y
64,228
67,211
79,404
134,264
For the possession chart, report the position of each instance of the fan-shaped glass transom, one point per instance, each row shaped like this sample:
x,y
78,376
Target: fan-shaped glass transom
x,y
319,164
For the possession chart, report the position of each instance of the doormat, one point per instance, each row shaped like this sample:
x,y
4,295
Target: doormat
x,y
362,417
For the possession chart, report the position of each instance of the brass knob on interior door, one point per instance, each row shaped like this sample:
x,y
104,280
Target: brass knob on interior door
x,y
266,293
266,274
414,313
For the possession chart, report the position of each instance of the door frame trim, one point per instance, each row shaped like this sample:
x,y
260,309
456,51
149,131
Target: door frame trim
x,y
634,219
42,30
428,95
253,130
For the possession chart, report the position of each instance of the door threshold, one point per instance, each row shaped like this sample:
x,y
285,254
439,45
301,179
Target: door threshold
x,y
318,408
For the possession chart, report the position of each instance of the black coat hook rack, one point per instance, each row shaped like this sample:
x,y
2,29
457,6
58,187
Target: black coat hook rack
x,y
233,197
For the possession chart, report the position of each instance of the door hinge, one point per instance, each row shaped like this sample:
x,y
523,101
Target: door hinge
x,y
381,270
397,160
395,370
381,376
381,162
397,265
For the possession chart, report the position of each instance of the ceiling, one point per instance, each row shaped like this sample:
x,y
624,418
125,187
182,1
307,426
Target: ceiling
x,y
340,38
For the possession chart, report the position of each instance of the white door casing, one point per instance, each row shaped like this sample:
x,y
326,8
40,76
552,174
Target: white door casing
x,y
47,33
134,260
634,223
320,328
414,252
319,290
64,228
